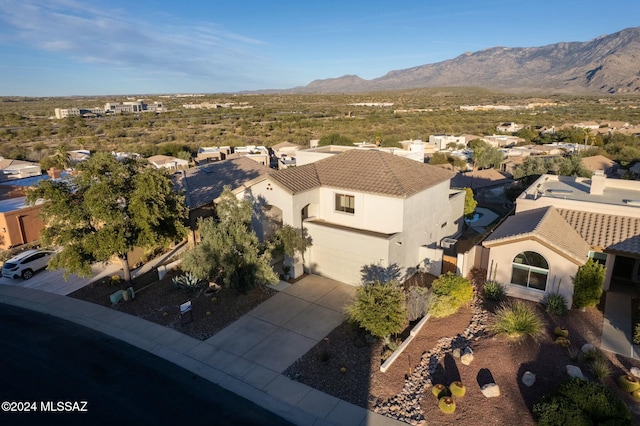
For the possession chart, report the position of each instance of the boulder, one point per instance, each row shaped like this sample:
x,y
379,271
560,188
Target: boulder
x,y
528,379
456,353
490,390
467,356
587,347
575,371
635,372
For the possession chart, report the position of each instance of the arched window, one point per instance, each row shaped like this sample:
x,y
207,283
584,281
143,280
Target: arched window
x,y
530,269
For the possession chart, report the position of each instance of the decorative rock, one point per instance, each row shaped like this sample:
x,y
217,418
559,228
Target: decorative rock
x,y
456,353
528,379
586,347
575,371
635,372
490,390
467,356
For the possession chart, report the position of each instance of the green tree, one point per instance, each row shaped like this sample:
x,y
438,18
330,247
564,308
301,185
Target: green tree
x,y
229,249
107,210
587,284
470,202
380,308
289,241
485,155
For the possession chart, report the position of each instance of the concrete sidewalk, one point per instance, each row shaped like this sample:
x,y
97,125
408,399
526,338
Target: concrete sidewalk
x,y
617,332
247,357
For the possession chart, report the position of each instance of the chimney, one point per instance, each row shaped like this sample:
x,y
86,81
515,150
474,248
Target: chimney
x,y
598,182
54,173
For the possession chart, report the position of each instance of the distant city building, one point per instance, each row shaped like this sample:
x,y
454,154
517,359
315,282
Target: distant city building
x,y
509,127
109,108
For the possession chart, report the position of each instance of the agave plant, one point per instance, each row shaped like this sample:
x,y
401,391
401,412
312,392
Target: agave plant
x,y
186,281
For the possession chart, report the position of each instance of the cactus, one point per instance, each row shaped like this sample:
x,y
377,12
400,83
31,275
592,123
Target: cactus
x,y
628,383
447,405
458,389
561,331
438,389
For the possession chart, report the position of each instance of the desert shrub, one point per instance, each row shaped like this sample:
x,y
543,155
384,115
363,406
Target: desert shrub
x,y
450,293
636,334
556,304
418,301
600,368
587,284
379,308
518,320
186,281
580,402
493,290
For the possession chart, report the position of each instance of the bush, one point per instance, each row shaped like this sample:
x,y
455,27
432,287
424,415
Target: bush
x,y
450,293
600,368
379,308
556,304
587,284
493,290
418,301
636,334
579,402
518,320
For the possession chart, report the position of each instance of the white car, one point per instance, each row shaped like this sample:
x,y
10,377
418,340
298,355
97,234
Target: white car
x,y
25,264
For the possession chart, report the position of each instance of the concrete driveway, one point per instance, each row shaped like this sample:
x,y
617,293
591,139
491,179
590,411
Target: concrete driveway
x,y
54,282
282,329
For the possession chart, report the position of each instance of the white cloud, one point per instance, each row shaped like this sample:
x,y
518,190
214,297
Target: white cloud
x,y
113,38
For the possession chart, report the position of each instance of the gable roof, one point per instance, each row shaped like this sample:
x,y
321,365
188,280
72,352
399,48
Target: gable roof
x,y
369,171
201,185
546,226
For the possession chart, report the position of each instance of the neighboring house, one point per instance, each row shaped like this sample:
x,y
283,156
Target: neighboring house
x,y
20,223
509,127
501,140
259,154
363,207
600,162
439,142
284,154
78,155
488,185
168,162
17,169
591,125
414,152
211,154
202,185
559,223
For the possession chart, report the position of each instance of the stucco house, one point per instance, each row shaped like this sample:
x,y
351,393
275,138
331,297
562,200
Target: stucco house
x,y
168,162
560,222
363,207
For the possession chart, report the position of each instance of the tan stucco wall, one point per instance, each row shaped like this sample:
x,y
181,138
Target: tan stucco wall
x,y
561,270
21,226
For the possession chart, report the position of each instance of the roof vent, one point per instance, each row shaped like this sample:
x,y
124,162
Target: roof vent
x,y
448,242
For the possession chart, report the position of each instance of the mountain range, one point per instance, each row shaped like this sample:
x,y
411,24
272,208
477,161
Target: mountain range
x,y
607,64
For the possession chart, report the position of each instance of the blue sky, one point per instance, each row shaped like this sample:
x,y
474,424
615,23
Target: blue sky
x,y
71,47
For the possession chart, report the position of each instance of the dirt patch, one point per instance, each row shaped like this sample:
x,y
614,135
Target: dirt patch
x,y
159,302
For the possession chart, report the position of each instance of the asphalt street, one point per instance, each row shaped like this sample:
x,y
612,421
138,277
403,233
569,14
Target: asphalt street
x,y
69,375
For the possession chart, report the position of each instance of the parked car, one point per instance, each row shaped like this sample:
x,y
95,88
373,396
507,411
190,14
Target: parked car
x,y
25,264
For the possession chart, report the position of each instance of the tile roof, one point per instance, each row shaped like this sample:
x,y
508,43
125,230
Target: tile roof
x,y
605,231
369,171
597,162
201,185
479,179
547,226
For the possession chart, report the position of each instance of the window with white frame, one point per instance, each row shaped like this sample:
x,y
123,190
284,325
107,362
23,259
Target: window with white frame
x,y
345,203
530,269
